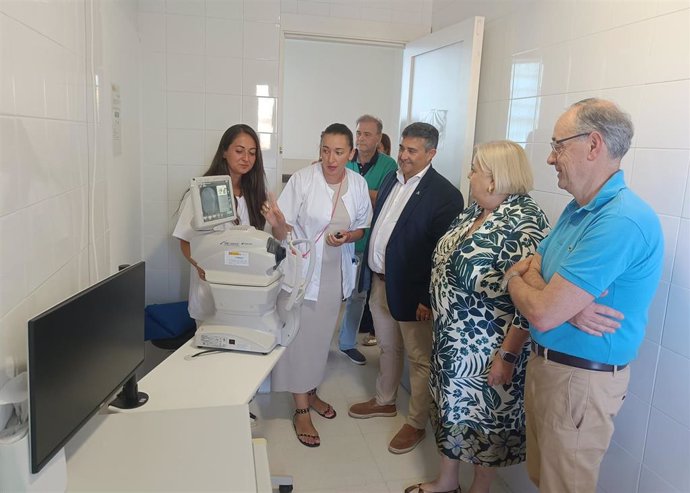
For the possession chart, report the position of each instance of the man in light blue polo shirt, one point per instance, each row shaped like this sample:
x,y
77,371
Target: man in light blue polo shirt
x,y
586,294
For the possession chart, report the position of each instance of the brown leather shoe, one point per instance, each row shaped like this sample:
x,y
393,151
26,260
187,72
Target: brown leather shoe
x,y
370,409
406,439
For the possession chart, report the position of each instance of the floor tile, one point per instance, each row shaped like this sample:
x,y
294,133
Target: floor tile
x,y
420,464
353,456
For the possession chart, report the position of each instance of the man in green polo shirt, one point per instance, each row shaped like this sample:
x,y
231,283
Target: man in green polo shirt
x,y
373,166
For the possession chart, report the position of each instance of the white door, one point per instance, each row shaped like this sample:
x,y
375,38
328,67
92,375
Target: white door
x,y
440,86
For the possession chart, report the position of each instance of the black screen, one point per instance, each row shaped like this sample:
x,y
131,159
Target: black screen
x,y
80,352
216,200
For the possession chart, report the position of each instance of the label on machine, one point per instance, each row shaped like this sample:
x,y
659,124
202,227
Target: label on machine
x,y
233,257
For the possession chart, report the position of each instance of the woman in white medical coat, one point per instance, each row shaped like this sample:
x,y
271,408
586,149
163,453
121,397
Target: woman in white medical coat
x,y
329,204
238,155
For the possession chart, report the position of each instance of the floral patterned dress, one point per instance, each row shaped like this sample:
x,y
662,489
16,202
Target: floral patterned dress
x,y
473,421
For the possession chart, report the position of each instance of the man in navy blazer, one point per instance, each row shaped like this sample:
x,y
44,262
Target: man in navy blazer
x,y
414,207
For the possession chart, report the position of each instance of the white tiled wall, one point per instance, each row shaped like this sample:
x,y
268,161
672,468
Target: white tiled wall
x,y
207,65
638,54
69,207
202,63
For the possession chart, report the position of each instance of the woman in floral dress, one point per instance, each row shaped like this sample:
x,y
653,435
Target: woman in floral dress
x,y
480,345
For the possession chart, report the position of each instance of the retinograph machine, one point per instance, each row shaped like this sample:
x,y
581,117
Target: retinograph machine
x,y
245,269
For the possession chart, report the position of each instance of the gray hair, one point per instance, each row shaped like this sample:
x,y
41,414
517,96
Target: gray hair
x,y
614,125
371,119
422,131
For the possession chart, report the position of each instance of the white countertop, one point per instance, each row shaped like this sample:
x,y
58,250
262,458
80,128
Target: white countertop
x,y
208,380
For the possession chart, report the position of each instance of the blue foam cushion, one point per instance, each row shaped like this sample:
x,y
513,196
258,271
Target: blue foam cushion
x,y
167,320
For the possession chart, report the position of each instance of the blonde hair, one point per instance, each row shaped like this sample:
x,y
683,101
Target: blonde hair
x,y
507,164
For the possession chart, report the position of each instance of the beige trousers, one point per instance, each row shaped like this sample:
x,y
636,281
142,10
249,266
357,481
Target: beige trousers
x,y
395,338
569,415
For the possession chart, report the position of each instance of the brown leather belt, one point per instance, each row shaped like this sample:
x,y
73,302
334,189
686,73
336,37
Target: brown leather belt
x,y
381,276
566,359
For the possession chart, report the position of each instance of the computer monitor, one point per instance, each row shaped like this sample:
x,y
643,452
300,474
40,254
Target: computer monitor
x,y
212,201
80,353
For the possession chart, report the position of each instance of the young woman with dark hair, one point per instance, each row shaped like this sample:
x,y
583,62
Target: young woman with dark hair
x,y
238,155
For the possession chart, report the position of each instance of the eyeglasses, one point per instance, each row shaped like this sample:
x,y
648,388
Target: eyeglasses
x,y
557,145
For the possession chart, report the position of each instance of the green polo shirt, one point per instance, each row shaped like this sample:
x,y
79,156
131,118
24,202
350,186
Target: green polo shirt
x,y
373,172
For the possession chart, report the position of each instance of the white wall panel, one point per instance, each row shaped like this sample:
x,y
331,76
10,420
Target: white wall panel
x,y
667,450
185,147
671,376
185,72
632,418
619,470
184,34
223,75
57,163
224,37
185,110
227,9
321,88
661,169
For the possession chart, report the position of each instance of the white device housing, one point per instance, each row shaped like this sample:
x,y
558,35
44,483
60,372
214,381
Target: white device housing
x,y
242,267
245,279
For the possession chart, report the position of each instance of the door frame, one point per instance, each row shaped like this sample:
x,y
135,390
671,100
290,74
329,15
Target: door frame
x,y
351,31
290,36
468,31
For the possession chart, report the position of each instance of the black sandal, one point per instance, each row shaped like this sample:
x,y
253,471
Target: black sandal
x,y
329,413
305,435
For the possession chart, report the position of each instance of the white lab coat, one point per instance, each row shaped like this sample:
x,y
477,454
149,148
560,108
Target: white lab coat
x,y
307,202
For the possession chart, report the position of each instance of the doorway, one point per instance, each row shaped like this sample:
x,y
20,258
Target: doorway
x,y
327,81
434,79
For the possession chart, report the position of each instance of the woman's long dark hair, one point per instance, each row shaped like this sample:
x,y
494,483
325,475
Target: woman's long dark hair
x,y
253,183
386,143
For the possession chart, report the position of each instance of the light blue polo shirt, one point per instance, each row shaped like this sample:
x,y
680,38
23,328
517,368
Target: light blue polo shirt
x,y
612,243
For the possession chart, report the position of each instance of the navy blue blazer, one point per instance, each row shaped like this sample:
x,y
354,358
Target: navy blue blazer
x,y
425,218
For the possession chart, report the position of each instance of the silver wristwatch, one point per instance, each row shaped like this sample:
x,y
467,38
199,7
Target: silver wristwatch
x,y
508,357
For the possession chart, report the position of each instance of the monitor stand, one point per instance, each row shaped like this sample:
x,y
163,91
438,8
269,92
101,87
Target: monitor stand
x,y
130,397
